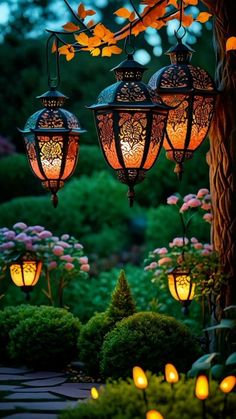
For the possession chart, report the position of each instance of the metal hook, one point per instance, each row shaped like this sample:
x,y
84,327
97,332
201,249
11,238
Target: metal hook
x,y
128,47
180,37
53,81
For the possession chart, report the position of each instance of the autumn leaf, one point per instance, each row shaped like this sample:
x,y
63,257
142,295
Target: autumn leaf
x,y
95,52
54,46
203,17
231,43
108,51
83,13
191,2
123,12
67,50
173,3
82,39
70,27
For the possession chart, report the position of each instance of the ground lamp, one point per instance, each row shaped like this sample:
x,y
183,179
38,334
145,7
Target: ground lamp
x,y
181,287
171,374
141,382
153,414
94,393
51,138
25,272
191,91
226,386
130,120
202,392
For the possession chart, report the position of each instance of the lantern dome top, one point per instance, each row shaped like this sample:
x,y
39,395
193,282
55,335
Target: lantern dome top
x,y
129,90
52,98
180,53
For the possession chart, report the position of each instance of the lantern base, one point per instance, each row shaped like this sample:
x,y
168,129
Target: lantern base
x,y
185,308
27,289
130,177
179,156
53,186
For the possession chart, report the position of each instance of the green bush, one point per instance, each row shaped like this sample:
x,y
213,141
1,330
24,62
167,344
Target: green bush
x,y
92,334
98,213
45,339
122,400
150,340
10,317
163,224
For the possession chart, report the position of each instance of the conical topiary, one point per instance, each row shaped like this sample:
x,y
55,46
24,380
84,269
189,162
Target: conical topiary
x,y
122,303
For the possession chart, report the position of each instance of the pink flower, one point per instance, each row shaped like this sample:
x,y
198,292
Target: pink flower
x,y
78,246
163,261
172,200
22,237
67,258
205,252
65,237
85,268
58,250
69,266
179,241
206,206
194,203
20,225
29,245
198,246
208,217
202,192
153,265
207,197
52,265
156,251
194,240
7,245
83,260
189,196
184,207
45,234
63,244
9,235
163,251
208,247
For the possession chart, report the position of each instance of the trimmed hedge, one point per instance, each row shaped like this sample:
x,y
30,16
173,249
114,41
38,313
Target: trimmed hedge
x,y
39,337
150,340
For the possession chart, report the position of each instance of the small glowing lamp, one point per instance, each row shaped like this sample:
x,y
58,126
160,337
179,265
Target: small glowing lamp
x,y
202,387
153,414
25,272
94,393
228,383
181,287
140,379
171,374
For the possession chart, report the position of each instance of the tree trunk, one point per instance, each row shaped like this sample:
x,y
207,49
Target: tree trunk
x,y
222,156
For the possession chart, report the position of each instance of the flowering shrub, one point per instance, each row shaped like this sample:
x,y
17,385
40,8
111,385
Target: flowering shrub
x,y
187,252
62,256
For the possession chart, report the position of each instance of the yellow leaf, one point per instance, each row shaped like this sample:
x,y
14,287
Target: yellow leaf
x,y
231,43
69,56
108,51
95,52
115,49
187,20
82,39
70,27
67,50
99,30
94,41
203,17
123,12
191,2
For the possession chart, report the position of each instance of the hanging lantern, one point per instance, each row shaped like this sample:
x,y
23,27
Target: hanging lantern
x,y
25,272
130,120
181,287
191,91
52,142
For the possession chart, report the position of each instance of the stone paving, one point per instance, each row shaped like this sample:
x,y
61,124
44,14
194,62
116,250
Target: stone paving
x,y
25,394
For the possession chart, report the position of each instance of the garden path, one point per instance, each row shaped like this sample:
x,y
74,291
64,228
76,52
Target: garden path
x,y
26,394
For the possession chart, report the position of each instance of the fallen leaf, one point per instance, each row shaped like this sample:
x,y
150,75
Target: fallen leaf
x,y
231,43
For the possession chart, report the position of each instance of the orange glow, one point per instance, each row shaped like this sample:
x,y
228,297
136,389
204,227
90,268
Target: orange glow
x,y
179,287
202,387
25,273
139,377
153,414
94,393
171,374
228,383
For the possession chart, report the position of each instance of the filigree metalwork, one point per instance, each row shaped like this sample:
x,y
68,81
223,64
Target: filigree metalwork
x,y
131,92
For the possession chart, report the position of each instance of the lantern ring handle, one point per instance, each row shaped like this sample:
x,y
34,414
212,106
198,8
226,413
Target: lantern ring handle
x,y
129,46
180,37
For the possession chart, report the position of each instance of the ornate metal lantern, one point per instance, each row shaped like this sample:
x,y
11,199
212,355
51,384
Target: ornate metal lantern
x,y
181,287
191,91
130,120
25,272
52,142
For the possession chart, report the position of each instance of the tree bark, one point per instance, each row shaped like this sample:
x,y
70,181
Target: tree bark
x,y
222,155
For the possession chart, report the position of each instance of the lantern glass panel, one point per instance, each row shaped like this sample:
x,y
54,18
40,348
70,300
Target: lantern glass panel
x,y
51,155
180,286
107,138
158,126
71,157
25,273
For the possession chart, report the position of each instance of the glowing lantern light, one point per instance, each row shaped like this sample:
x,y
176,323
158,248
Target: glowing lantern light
x,y
94,393
228,383
181,287
171,374
140,379
191,90
153,414
202,387
25,273
130,120
51,138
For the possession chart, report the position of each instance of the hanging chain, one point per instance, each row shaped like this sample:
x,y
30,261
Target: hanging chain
x,y
53,74
180,37
129,46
